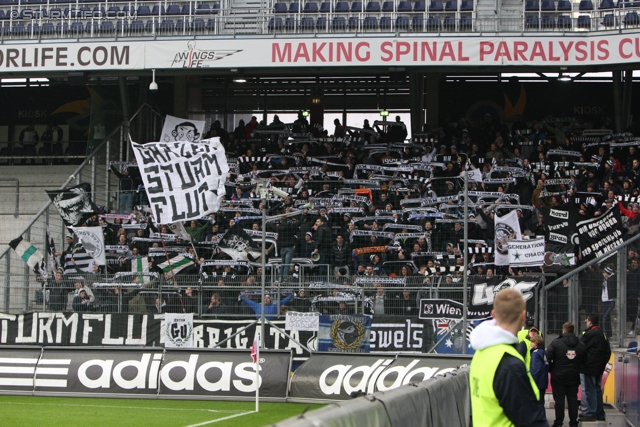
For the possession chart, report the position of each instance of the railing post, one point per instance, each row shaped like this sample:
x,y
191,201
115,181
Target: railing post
x,y
621,301
542,306
7,282
574,300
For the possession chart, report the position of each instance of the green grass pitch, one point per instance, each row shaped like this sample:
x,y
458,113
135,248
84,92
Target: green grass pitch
x,y
27,411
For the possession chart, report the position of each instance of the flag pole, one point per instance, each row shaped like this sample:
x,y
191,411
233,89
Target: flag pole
x,y
257,366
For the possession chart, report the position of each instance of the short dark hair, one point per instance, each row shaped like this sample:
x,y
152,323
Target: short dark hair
x,y
594,319
568,327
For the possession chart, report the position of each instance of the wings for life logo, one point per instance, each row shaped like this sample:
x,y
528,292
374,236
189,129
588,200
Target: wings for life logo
x,y
199,58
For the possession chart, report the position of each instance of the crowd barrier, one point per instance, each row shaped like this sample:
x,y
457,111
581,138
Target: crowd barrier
x,y
143,372
154,372
438,401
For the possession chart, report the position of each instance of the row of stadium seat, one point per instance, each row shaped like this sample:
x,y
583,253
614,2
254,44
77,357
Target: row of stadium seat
x,y
547,6
111,11
167,26
631,19
340,23
374,7
44,2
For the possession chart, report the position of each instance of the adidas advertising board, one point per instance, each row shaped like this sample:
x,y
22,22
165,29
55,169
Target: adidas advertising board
x,y
125,371
335,376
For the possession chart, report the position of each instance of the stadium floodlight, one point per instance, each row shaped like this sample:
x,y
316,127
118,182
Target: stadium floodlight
x,y
153,86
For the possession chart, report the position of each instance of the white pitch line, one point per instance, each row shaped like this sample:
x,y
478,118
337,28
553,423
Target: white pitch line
x,y
124,407
221,419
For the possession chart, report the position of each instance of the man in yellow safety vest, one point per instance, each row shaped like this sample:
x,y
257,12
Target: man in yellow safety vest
x,y
503,393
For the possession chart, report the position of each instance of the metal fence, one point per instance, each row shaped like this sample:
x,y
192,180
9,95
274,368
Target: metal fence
x,y
16,278
87,19
571,297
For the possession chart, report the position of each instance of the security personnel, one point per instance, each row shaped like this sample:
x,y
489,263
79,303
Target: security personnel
x,y
503,393
524,343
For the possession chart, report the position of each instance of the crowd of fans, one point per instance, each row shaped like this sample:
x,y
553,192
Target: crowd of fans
x,y
371,214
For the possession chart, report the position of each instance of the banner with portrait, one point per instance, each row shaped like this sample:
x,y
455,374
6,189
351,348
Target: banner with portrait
x,y
178,129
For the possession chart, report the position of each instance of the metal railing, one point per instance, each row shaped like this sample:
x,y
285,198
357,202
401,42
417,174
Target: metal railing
x,y
572,296
126,19
144,125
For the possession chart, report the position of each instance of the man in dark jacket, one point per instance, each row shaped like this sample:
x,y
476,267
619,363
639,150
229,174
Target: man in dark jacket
x,y
340,255
598,352
287,235
322,237
565,355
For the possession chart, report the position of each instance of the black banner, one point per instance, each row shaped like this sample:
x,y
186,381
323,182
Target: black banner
x,y
400,333
485,289
335,376
388,333
149,371
440,309
74,204
600,234
560,223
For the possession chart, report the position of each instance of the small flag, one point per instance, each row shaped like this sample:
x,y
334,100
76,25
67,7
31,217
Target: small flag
x,y
29,253
176,264
54,263
255,348
141,265
178,229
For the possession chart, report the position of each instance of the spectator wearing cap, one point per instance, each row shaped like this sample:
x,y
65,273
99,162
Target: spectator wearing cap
x,y
344,226
308,246
378,268
63,255
524,342
609,295
80,286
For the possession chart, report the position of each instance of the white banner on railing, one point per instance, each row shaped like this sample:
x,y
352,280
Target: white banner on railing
x,y
178,330
533,50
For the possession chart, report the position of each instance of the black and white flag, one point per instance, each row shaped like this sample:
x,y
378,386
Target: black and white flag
x,y
238,245
599,235
78,261
177,129
93,242
74,204
28,253
183,180
507,227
